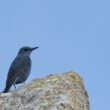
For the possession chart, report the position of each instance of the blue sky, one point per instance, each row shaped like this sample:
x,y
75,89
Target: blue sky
x,y
71,35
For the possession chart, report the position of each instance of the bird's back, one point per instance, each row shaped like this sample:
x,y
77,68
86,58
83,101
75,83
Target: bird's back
x,y
19,71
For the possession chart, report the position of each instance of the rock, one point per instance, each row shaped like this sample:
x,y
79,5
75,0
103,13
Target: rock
x,y
55,92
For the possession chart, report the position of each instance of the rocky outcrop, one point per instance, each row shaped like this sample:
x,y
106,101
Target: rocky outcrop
x,y
55,92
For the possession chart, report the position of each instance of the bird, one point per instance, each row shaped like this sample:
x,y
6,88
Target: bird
x,y
20,68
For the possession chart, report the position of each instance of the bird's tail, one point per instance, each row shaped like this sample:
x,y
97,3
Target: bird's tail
x,y
7,88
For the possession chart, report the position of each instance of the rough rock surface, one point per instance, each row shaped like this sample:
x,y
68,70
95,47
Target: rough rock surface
x,y
55,92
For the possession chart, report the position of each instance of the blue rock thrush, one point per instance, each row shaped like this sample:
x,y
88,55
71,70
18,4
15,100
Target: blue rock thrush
x,y
20,68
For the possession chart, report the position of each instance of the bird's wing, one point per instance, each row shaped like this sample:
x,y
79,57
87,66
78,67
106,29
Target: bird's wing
x,y
17,67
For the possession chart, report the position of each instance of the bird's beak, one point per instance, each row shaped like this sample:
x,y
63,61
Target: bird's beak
x,y
34,48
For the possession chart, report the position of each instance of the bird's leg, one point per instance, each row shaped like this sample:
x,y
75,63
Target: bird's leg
x,y
14,86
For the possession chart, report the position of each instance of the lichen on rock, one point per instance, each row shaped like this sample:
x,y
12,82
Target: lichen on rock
x,y
54,92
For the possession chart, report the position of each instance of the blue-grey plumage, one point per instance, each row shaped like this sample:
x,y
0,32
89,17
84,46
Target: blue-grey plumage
x,y
20,68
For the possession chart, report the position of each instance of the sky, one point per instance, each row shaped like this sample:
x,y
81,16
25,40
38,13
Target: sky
x,y
72,35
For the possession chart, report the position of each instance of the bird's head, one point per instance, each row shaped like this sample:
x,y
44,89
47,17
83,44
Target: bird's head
x,y
26,51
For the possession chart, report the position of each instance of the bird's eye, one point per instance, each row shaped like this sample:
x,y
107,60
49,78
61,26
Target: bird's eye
x,y
25,49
